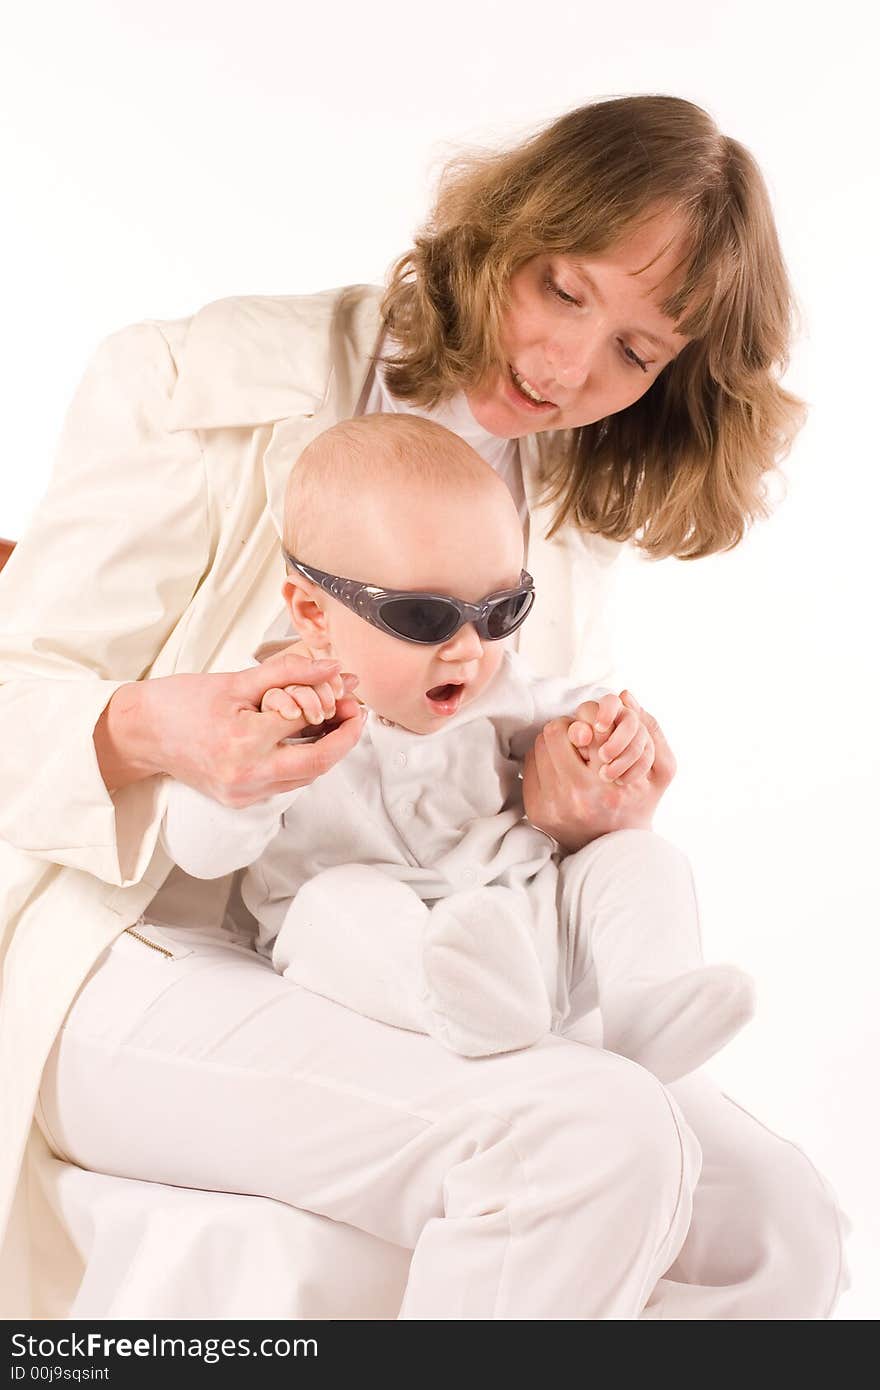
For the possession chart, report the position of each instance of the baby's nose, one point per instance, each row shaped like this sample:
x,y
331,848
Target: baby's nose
x,y
465,645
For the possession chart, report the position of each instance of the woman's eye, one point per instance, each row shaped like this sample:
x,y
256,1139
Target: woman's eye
x,y
567,298
634,358
560,292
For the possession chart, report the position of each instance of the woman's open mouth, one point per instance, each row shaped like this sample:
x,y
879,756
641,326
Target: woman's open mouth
x,y
524,394
445,699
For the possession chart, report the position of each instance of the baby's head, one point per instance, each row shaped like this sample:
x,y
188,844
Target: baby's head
x,y
399,502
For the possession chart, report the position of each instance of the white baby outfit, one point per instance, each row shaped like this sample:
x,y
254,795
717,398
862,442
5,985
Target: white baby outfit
x,y
407,884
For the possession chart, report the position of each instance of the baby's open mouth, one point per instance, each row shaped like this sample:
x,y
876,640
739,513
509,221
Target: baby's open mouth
x,y
445,699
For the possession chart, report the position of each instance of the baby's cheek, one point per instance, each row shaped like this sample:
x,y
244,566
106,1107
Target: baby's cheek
x,y
489,666
391,691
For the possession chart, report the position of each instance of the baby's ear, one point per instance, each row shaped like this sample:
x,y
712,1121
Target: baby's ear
x,y
306,614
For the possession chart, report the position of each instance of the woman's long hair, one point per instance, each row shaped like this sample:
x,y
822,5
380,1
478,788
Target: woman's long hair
x,y
682,471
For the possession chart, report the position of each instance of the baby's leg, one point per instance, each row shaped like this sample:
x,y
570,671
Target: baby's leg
x,y
484,981
629,898
465,971
354,934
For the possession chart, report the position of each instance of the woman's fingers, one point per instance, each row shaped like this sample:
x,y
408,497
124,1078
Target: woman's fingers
x,y
639,769
614,765
544,778
626,730
562,761
664,766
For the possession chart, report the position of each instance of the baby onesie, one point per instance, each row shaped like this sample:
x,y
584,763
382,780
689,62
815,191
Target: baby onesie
x,y
407,883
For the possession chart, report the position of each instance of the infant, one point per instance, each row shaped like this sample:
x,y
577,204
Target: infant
x,y
406,883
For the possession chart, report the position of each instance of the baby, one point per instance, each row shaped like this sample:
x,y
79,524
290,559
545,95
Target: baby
x,y
406,883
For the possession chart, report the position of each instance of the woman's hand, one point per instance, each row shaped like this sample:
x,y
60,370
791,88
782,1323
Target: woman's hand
x,y
571,793
209,732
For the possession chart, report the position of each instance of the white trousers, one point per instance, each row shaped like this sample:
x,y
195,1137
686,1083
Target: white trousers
x,y
557,1182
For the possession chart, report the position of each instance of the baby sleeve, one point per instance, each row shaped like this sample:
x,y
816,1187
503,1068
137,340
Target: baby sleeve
x,y
551,697
111,561
208,840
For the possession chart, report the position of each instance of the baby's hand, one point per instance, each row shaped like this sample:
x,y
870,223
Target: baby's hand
x,y
612,736
312,704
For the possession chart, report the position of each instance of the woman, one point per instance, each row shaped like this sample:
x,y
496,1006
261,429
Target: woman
x,y
604,312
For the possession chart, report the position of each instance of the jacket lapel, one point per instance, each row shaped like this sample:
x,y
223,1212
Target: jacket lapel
x,y
353,340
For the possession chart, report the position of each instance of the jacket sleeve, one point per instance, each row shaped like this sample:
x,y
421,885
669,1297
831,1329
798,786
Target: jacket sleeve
x,y
208,840
109,564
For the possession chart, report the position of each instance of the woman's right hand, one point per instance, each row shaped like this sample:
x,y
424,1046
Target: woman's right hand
x,y
209,732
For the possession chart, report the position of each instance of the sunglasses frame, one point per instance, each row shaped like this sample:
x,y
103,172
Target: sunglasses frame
x,y
366,601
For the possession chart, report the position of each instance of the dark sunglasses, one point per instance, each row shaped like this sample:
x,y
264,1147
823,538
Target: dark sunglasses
x,y
416,616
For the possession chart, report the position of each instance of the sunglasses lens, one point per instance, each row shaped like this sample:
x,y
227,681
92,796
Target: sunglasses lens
x,y
507,615
420,619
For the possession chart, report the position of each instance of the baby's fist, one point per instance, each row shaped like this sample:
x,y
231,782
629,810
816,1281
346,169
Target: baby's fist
x,y
312,704
281,702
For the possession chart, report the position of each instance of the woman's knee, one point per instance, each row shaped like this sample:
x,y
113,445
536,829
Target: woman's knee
x,y
799,1266
608,1125
657,1152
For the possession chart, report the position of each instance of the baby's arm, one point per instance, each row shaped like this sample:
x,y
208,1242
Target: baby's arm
x,y
208,840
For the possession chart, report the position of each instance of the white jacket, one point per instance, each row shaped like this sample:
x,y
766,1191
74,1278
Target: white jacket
x,y
155,551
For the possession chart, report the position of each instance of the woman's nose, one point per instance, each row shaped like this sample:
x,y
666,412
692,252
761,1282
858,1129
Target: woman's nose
x,y
571,358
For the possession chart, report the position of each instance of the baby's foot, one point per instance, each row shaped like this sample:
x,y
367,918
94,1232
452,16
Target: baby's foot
x,y
673,1026
484,985
354,934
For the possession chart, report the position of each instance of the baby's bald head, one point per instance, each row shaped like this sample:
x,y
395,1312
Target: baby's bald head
x,y
377,498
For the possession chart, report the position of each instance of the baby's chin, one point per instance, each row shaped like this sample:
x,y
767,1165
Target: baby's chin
x,y
431,714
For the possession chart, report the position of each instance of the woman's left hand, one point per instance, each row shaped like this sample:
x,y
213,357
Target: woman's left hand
x,y
630,766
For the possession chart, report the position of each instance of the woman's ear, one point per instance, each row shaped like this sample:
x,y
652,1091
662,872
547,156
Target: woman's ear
x,y
306,614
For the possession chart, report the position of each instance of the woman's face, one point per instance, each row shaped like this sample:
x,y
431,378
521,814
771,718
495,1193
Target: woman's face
x,y
586,335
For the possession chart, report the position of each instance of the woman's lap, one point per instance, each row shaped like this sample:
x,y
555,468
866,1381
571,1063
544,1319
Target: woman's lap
x,y
248,1049
210,1071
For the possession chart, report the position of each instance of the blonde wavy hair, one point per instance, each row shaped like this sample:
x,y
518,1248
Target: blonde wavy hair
x,y
683,470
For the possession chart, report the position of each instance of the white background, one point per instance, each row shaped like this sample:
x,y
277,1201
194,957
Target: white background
x,y
157,156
